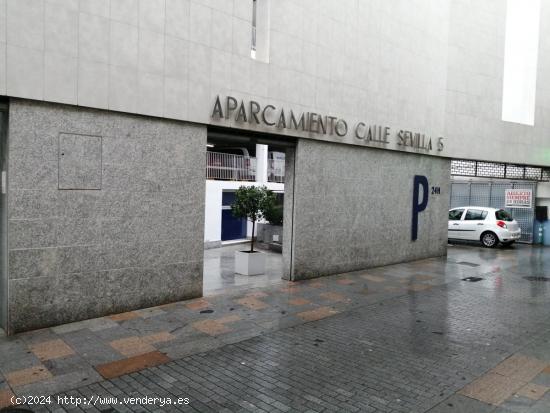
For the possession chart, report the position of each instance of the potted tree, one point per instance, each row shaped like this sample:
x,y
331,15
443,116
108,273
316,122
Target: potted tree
x,y
251,203
271,232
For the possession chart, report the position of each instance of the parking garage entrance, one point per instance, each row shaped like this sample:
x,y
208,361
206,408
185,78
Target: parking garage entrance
x,y
235,159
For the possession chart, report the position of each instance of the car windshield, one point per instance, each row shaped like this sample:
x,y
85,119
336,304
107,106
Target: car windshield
x,y
502,215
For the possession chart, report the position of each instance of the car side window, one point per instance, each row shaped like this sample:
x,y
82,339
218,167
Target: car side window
x,y
455,214
475,215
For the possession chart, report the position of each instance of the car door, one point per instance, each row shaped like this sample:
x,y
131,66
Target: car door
x,y
473,223
455,220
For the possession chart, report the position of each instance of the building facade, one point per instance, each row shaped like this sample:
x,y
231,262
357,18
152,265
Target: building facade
x,y
107,107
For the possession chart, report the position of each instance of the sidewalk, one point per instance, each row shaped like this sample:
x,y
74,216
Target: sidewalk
x,y
408,313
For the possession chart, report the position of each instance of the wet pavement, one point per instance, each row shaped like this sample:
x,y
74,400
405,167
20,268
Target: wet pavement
x,y
219,270
411,337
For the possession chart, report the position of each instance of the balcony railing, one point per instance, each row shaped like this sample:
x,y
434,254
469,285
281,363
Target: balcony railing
x,y
276,170
229,167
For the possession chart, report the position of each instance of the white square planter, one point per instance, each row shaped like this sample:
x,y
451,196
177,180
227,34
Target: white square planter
x,y
249,263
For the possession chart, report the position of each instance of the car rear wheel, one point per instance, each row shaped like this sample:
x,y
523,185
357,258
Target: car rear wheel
x,y
489,239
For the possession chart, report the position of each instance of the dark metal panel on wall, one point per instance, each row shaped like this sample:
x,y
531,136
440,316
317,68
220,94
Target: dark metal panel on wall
x,y
3,215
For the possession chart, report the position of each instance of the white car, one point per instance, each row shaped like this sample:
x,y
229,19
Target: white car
x,y
488,225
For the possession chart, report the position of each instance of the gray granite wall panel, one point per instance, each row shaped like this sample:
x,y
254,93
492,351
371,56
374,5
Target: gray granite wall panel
x,y
353,208
82,253
79,158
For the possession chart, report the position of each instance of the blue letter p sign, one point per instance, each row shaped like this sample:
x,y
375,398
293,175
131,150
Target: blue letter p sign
x,y
418,206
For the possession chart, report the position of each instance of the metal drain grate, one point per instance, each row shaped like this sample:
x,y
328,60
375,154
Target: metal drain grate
x,y
472,279
534,278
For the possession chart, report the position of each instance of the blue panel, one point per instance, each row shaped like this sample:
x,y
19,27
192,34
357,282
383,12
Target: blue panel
x,y
232,228
227,198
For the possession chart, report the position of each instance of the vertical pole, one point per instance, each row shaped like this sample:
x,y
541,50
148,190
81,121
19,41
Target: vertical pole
x,y
261,164
252,240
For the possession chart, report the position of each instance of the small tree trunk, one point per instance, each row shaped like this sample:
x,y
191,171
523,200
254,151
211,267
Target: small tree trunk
x,y
252,240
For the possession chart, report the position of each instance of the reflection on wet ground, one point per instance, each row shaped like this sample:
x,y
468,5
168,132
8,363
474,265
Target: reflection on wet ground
x,y
219,270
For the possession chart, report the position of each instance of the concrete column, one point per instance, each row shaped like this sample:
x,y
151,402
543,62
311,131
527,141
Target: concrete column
x,y
288,215
261,164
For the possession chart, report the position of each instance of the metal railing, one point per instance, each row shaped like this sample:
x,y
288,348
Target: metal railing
x,y
229,167
276,170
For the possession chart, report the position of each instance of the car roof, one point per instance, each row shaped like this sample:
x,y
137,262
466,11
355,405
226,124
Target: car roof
x,y
477,207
